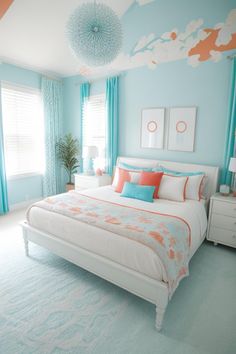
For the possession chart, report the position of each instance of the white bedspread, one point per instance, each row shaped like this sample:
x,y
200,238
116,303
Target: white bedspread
x,y
120,249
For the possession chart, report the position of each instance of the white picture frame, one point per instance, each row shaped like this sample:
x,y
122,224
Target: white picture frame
x,y
152,128
181,134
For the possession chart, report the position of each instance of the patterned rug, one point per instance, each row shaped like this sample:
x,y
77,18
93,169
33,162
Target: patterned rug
x,y
50,306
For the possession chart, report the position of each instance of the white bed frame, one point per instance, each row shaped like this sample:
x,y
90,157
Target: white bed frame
x,y
141,285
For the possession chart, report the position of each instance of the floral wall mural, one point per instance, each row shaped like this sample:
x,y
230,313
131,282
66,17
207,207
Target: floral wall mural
x,y
196,44
174,54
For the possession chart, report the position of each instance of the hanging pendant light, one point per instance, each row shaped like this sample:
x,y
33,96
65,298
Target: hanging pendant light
x,y
94,33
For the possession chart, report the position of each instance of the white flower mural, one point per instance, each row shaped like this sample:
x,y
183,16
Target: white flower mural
x,y
196,44
227,29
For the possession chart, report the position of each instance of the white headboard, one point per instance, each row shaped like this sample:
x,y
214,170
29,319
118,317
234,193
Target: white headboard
x,y
212,172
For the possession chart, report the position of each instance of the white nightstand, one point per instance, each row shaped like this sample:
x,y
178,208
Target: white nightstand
x,y
86,182
222,220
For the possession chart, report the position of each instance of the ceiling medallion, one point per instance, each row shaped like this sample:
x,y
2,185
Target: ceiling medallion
x,y
95,34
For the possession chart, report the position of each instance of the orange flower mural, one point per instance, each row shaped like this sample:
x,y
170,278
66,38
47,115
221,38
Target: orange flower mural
x,y
206,46
196,43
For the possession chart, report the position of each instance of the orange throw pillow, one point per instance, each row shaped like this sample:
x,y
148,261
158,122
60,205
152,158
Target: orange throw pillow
x,y
151,179
124,176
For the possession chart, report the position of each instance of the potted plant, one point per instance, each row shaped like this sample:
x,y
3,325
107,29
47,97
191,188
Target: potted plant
x,y
67,152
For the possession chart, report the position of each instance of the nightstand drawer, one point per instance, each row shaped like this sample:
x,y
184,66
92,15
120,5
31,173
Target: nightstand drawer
x,y
223,236
224,208
223,222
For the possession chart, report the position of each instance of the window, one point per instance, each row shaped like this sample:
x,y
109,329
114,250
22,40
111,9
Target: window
x,y
94,127
23,130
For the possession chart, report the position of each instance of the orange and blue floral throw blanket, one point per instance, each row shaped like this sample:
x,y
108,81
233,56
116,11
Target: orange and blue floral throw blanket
x,y
167,235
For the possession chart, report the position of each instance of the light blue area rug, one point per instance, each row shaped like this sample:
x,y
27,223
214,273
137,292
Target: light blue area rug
x,y
49,305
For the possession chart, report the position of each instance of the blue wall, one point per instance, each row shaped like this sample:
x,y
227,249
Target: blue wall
x,y
22,189
71,87
71,104
170,84
177,84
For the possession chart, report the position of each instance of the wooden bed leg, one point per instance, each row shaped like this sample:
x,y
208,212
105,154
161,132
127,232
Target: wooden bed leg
x,y
26,243
160,312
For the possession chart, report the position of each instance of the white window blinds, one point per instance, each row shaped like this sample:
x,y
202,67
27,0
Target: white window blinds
x,y
94,127
23,129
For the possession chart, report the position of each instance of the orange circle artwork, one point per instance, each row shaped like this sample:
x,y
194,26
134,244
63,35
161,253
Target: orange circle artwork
x,y
181,126
152,126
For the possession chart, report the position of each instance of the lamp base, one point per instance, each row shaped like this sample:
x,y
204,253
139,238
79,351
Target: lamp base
x,y
88,168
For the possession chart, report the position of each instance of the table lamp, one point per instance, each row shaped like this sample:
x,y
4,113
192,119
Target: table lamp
x,y
232,168
90,153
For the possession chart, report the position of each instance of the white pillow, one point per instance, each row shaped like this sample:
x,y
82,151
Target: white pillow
x,y
173,188
193,188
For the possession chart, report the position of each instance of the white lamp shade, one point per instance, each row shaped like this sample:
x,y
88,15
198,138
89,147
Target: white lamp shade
x,y
90,152
232,164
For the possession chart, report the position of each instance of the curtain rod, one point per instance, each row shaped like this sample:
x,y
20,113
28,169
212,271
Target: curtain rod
x,y
102,78
52,78
231,56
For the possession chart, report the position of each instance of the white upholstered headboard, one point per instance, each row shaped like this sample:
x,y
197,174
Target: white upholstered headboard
x,y
212,172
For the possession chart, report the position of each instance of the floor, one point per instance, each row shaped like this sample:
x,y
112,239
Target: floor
x,y
50,306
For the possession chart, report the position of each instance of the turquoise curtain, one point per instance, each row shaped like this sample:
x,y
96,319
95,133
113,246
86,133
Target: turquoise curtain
x,y
52,103
112,112
231,126
4,208
84,96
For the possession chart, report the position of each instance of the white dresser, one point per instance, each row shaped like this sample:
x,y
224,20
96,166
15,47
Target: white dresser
x,y
86,182
222,220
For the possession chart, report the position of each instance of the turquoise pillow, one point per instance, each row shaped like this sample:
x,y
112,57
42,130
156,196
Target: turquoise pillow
x,y
134,168
136,191
176,173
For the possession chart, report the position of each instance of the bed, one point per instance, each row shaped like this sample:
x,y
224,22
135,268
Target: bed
x,y
131,265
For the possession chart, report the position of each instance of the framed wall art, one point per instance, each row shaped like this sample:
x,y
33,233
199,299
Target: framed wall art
x,y
182,121
152,128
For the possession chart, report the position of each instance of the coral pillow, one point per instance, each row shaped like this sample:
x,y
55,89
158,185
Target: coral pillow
x,y
123,176
151,179
134,176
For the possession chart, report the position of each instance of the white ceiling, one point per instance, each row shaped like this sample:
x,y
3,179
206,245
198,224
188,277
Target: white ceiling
x,y
32,34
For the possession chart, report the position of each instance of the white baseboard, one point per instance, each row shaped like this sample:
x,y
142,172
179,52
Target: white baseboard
x,y
24,204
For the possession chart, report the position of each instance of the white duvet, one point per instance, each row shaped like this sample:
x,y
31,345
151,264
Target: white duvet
x,y
117,248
